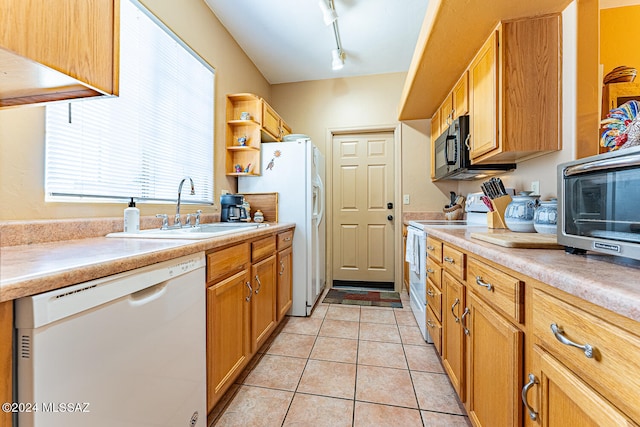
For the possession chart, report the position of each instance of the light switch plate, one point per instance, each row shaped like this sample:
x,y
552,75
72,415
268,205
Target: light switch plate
x,y
405,199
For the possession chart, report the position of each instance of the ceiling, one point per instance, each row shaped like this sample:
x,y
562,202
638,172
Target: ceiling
x,y
288,41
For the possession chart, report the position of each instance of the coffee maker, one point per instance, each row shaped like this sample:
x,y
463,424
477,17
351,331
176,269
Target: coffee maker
x,y
231,209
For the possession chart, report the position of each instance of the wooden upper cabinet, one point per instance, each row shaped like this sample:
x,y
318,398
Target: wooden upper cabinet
x,y
270,121
460,96
56,52
483,80
515,86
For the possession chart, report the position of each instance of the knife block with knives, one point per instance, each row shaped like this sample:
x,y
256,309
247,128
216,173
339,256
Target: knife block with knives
x,y
498,199
495,218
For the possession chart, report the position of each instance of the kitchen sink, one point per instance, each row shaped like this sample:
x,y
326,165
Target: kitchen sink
x,y
203,231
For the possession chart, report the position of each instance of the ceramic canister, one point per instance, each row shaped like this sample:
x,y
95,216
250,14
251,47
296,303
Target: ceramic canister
x,y
519,213
545,219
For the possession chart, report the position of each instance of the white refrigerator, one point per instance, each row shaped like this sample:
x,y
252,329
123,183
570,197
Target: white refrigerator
x,y
295,170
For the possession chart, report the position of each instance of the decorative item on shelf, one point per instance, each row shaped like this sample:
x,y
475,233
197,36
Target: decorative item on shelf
x,y
258,216
243,140
238,168
620,74
545,218
248,168
518,215
245,116
621,127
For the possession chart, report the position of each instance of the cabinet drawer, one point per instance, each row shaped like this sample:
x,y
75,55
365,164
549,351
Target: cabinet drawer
x,y
504,292
285,239
613,370
434,249
227,261
434,299
263,248
453,261
434,273
434,327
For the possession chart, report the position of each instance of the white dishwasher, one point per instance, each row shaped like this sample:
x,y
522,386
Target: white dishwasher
x,y
124,350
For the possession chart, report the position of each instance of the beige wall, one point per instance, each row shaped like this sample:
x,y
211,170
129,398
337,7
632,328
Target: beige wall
x,y
22,129
315,107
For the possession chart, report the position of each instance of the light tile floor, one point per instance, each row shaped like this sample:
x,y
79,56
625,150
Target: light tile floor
x,y
344,366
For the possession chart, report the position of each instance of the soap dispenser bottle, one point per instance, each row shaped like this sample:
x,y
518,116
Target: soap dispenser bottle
x,y
132,218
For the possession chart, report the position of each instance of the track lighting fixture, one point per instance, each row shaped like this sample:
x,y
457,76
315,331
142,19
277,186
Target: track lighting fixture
x,y
328,11
331,17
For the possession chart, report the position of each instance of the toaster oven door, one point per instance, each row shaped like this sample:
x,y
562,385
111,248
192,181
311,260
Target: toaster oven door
x,y
603,204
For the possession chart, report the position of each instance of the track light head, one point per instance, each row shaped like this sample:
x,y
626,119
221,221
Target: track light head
x,y
328,12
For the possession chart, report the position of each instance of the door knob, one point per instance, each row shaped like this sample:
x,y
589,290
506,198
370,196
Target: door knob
x,y
389,205
390,217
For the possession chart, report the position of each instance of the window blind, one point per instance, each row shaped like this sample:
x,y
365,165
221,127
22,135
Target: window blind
x,y
144,142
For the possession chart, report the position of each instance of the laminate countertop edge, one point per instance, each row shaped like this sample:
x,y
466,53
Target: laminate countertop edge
x,y
604,280
32,269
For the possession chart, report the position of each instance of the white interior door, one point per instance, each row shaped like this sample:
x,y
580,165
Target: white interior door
x,y
362,201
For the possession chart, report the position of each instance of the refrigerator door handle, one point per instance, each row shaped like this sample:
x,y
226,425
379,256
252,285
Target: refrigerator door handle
x,y
320,187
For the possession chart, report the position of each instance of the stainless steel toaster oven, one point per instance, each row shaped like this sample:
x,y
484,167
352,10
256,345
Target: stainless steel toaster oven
x,y
599,204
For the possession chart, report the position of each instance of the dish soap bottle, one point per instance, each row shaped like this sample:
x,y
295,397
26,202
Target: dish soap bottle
x,y
132,218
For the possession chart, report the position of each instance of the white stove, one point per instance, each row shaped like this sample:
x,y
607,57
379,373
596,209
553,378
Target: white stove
x,y
416,254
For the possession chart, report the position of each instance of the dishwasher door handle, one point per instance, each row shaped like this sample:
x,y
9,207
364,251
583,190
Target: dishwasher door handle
x,y
149,294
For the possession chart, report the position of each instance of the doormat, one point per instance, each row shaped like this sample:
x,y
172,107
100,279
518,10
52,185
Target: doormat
x,y
367,298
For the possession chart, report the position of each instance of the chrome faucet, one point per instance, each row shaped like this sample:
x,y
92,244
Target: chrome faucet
x,y
177,222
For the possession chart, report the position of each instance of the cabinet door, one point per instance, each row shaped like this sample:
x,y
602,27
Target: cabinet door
x,y
566,400
228,347
483,77
78,38
270,122
452,333
495,374
263,302
460,96
285,282
446,113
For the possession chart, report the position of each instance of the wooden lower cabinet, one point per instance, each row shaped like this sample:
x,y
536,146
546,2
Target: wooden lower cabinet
x,y
495,366
228,322
565,399
453,337
285,282
263,301
246,298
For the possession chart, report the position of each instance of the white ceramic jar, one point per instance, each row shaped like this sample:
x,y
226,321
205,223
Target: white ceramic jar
x,y
545,219
519,213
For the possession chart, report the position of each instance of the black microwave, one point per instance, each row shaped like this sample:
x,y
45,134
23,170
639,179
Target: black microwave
x,y
599,204
451,151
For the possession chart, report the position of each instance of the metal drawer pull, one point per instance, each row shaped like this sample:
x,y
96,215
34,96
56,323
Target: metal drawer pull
x,y
259,284
430,324
557,331
479,281
456,302
281,267
430,292
287,239
449,260
430,270
465,313
532,381
430,248
248,297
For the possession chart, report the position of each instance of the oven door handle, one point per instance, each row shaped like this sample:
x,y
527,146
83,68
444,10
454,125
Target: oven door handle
x,y
605,164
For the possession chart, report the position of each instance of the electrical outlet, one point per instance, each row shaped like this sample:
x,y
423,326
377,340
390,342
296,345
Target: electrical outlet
x,y
405,199
535,187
